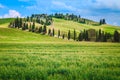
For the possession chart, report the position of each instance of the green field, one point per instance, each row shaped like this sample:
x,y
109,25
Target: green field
x,y
30,56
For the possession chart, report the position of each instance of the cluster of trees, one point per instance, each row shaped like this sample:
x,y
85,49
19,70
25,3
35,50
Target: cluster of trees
x,y
85,35
17,23
102,21
25,24
42,19
76,18
70,17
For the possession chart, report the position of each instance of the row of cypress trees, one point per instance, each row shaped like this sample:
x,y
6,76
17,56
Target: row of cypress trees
x,y
101,36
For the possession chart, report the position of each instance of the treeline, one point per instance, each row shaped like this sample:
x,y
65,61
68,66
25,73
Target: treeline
x,y
77,18
70,17
85,35
42,19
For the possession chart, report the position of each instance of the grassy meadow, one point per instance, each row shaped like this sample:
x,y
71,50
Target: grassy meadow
x,y
30,56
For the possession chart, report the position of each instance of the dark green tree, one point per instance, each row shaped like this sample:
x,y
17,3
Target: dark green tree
x,y
105,37
26,26
58,33
27,18
23,28
104,22
44,29
42,22
31,19
116,36
100,22
99,35
17,22
49,32
63,36
20,23
102,36
33,27
40,29
86,36
69,35
74,35
53,32
80,37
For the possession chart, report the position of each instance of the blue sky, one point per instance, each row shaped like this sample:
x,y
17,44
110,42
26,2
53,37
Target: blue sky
x,y
91,9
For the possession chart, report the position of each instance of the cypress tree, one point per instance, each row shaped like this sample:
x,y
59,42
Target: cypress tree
x,y
58,33
86,35
116,36
31,19
80,37
74,35
99,35
49,32
104,22
17,22
40,29
33,27
63,36
53,32
23,28
100,22
44,29
69,35
26,26
20,23
27,18
102,36
105,37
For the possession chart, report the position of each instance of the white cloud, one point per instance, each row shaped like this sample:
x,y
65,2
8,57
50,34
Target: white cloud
x,y
12,14
64,6
112,4
1,6
115,23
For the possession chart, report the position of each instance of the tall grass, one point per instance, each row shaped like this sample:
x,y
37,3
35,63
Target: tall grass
x,y
71,61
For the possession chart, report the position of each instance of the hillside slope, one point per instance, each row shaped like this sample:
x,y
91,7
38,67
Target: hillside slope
x,y
16,35
65,25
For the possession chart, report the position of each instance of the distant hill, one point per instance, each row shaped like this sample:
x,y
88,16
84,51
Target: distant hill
x,y
6,20
65,25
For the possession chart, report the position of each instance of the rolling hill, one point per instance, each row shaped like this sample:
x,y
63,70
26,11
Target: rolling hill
x,y
64,25
30,56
